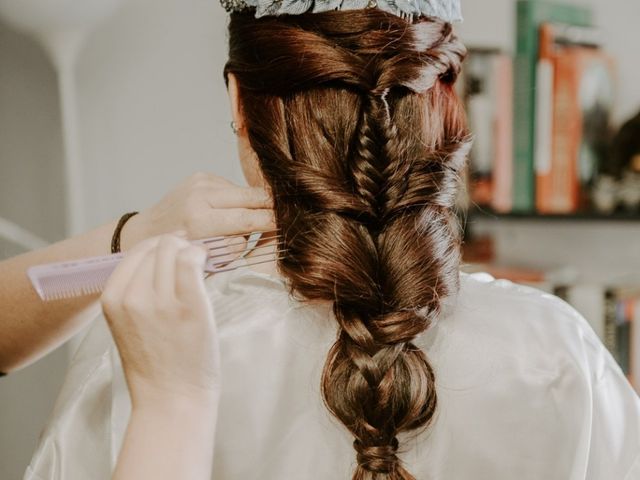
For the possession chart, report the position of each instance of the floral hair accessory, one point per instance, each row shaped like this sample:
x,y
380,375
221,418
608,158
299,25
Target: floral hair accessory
x,y
447,10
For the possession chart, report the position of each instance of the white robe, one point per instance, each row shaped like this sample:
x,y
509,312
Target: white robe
x,y
526,390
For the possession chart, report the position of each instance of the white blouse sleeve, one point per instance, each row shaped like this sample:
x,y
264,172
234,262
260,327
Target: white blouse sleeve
x,y
614,439
615,427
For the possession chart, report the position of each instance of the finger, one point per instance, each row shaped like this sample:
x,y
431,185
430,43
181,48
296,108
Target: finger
x,y
239,197
226,249
230,221
236,245
140,288
204,178
165,253
190,263
118,280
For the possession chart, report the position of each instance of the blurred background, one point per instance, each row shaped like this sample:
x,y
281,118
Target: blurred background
x,y
105,105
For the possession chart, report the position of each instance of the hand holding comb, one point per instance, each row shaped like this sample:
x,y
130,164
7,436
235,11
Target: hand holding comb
x,y
85,276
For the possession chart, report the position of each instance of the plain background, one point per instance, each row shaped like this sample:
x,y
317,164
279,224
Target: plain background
x,y
153,109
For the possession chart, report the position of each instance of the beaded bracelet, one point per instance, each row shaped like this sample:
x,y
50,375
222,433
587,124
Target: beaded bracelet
x,y
115,240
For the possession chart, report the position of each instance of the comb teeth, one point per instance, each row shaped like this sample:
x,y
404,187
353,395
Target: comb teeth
x,y
55,281
71,284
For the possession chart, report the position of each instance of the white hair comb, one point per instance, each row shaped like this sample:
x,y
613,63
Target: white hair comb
x,y
85,276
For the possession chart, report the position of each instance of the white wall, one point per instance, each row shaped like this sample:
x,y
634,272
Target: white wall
x,y
31,194
153,104
30,138
153,109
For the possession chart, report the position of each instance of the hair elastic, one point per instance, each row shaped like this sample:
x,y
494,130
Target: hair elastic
x,y
115,240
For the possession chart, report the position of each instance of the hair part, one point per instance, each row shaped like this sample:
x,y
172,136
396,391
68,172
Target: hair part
x,y
361,138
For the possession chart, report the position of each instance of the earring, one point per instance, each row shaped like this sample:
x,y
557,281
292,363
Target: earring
x,y
234,127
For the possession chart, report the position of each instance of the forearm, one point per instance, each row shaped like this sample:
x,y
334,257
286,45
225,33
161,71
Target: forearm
x,y
170,441
30,327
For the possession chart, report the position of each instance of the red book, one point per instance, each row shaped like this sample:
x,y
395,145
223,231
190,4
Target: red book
x,y
502,198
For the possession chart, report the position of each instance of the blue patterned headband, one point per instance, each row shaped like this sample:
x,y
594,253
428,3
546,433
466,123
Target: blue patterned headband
x,y
447,10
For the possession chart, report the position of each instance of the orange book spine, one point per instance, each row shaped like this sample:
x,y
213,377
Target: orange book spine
x,y
567,132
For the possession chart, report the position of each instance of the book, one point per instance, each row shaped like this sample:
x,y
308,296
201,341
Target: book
x,y
488,84
530,15
583,104
480,102
589,300
574,101
502,198
543,148
635,346
620,330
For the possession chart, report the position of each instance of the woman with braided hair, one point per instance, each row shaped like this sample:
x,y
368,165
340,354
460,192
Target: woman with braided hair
x,y
359,134
363,352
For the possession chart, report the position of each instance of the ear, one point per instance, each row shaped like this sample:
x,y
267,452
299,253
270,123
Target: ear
x,y
234,97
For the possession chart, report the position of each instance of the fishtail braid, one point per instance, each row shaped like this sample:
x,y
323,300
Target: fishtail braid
x,y
361,139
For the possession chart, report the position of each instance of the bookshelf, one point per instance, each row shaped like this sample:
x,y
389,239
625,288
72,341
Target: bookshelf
x,y
544,141
488,214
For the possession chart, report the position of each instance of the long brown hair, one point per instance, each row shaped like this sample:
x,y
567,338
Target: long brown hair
x,y
362,139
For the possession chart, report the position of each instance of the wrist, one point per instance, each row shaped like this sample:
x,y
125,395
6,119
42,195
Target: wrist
x,y
185,411
168,401
132,232
181,430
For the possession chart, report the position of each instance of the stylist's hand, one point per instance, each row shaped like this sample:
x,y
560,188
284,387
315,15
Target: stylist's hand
x,y
162,322
204,205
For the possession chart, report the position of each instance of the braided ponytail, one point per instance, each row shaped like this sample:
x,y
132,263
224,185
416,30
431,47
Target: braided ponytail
x,y
362,139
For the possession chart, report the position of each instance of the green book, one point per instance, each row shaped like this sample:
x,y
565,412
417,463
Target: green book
x,y
530,14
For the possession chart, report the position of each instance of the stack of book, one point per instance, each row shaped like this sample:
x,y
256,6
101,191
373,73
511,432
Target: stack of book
x,y
542,118
622,329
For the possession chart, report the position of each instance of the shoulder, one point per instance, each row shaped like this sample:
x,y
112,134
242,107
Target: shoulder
x,y
541,377
511,302
526,326
528,309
